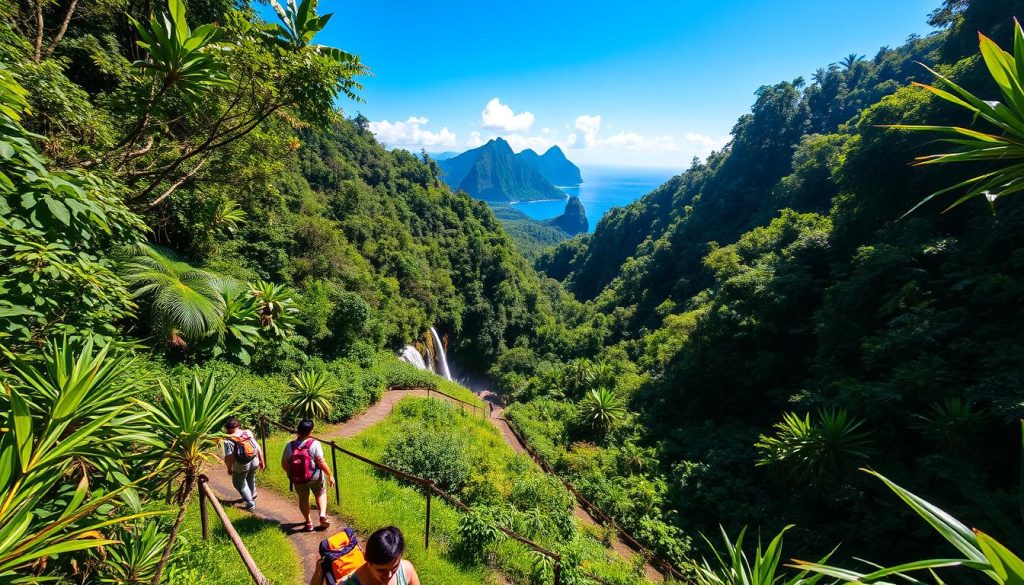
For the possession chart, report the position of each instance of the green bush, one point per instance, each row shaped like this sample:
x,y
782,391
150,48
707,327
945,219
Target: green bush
x,y
254,395
539,492
477,532
441,457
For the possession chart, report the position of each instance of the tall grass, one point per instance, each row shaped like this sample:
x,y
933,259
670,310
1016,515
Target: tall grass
x,y
217,562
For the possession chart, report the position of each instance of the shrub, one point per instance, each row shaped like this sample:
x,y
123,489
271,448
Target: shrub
x,y
477,532
538,491
254,396
441,457
358,388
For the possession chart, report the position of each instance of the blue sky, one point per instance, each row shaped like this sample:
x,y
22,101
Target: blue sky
x,y
644,83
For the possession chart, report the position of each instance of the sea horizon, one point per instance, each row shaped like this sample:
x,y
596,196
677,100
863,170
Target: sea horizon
x,y
603,187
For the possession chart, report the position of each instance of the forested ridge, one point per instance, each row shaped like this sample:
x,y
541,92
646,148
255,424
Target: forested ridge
x,y
191,228
194,224
778,277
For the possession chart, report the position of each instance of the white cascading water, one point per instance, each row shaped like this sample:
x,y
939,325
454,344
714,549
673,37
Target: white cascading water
x,y
442,358
411,355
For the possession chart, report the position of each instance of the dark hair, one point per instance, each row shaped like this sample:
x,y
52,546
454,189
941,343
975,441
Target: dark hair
x,y
305,427
384,546
232,424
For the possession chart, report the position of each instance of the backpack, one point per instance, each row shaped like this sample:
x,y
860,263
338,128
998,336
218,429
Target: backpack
x,y
340,556
243,448
300,463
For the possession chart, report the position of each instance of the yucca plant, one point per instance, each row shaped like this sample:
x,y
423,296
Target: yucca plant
x,y
602,409
312,396
300,23
228,216
179,58
951,424
978,551
70,407
731,565
134,558
276,306
811,452
1002,147
183,303
187,422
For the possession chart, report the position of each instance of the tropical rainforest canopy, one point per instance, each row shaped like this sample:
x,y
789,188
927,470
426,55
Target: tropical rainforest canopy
x,y
186,187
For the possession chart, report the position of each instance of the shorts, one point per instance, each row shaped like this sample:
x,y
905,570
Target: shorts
x,y
316,486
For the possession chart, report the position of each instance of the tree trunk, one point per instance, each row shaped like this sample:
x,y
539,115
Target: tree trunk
x,y
174,535
37,53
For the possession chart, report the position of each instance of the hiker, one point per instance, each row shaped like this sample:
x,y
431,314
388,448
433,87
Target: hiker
x,y
380,564
243,456
303,461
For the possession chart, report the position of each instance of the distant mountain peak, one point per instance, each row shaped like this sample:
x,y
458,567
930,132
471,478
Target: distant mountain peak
x,y
494,172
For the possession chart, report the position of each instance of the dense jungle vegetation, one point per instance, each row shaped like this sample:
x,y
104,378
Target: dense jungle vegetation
x,y
765,323
191,227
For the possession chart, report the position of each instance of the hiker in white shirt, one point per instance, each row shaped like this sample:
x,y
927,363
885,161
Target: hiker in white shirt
x,y
243,456
303,461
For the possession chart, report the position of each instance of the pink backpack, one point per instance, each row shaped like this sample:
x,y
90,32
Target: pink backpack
x,y
300,464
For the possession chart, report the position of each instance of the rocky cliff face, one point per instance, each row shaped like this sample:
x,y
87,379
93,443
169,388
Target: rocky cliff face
x,y
574,220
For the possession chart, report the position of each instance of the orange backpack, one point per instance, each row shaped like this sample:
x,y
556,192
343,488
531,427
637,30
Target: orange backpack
x,y
340,556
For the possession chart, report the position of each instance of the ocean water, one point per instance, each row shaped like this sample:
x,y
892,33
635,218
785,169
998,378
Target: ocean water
x,y
602,188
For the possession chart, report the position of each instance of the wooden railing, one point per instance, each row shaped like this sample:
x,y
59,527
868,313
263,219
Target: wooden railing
x,y
207,495
429,488
660,563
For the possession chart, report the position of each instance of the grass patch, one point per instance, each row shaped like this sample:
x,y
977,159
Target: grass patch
x,y
216,561
501,482
370,501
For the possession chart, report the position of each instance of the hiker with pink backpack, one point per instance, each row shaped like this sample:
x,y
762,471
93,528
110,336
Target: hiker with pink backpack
x,y
303,461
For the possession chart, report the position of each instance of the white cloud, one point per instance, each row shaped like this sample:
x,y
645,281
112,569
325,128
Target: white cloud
x,y
639,142
519,143
498,116
475,140
702,145
409,133
586,128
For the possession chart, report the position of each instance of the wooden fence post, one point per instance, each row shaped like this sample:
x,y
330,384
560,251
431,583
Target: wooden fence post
x,y
204,515
334,466
426,535
264,427
558,572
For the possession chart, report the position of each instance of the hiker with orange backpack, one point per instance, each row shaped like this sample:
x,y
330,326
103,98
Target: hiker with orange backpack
x,y
243,456
303,461
381,563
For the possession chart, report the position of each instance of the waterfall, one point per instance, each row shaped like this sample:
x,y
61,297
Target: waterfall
x,y
436,360
442,358
411,355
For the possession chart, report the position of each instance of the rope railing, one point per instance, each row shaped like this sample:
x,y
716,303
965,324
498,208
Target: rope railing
x,y
205,494
662,564
430,488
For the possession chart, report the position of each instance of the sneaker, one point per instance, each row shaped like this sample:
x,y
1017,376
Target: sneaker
x,y
308,527
250,507
325,523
